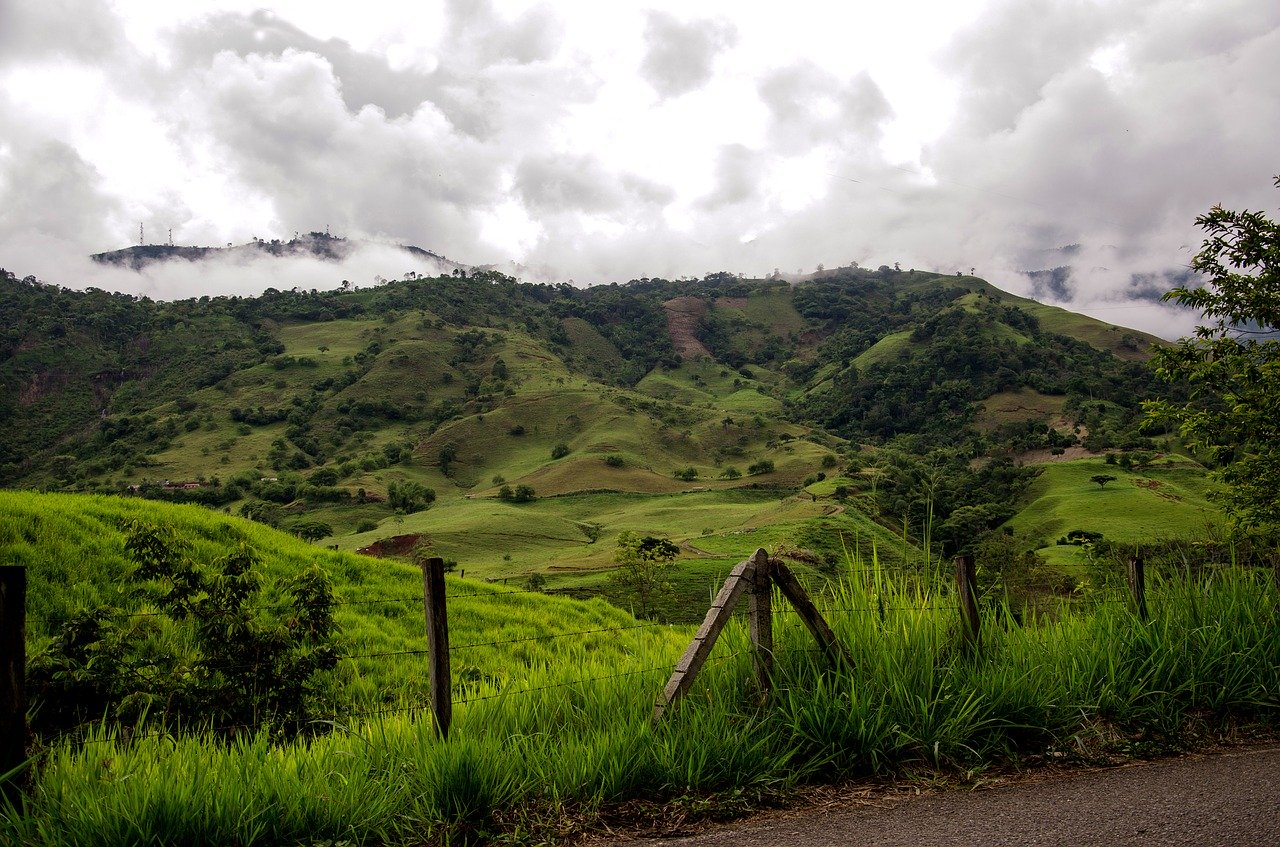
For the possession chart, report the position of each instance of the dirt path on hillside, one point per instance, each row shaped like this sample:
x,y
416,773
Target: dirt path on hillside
x,y
1222,799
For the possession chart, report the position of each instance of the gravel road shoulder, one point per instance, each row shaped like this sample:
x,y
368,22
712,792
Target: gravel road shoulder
x,y
1228,797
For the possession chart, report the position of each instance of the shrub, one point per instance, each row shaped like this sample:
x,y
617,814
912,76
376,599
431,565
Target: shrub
x,y
560,451
228,667
763,466
613,460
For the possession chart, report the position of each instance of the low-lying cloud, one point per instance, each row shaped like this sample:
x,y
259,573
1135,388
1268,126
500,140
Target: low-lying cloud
x,y
1081,143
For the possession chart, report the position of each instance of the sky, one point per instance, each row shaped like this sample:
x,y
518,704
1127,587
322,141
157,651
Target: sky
x,y
1061,149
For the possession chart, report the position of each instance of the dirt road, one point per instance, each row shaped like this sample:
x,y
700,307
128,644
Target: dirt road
x,y
1228,798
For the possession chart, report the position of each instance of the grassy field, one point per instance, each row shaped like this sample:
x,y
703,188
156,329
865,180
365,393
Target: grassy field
x,y
73,549
1020,405
541,753
1161,501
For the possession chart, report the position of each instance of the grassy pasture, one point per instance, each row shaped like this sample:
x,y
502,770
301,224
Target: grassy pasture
x,y
884,350
73,548
1158,502
548,535
1022,404
541,752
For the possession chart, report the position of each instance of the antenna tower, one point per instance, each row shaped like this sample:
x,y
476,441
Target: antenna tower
x,y
140,241
170,236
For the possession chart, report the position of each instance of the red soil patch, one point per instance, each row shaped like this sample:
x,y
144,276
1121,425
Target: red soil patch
x,y
683,314
397,545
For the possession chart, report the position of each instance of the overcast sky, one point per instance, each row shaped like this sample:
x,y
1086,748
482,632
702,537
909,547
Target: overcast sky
x,y
602,141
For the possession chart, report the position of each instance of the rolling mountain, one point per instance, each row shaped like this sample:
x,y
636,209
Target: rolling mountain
x,y
354,413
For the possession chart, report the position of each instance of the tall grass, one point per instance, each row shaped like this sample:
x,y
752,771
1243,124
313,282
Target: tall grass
x,y
575,734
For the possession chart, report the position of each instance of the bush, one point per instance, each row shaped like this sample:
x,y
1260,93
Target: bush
x,y
227,667
409,497
614,461
560,451
687,474
312,530
366,525
325,476
763,466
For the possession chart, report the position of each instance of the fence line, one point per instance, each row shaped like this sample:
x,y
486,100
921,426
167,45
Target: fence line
x,y
759,581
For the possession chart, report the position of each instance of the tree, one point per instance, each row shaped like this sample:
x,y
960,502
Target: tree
x,y
448,453
410,497
643,566
216,662
1230,367
312,530
1102,479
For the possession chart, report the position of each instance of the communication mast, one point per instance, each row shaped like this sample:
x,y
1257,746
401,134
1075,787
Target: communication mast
x,y
140,241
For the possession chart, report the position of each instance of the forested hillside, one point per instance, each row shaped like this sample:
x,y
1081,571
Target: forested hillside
x,y
907,396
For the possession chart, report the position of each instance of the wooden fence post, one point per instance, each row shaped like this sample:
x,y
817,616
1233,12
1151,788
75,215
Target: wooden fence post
x,y
438,643
13,677
809,615
1138,586
967,589
760,609
695,655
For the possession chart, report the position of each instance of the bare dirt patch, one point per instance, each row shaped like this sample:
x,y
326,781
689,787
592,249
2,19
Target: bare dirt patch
x,y
397,545
683,314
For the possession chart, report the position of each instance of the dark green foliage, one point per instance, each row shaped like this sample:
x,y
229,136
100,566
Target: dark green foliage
x,y
941,495
644,565
764,466
447,455
687,474
614,461
212,657
523,494
312,530
325,476
1102,479
1232,365
560,451
409,497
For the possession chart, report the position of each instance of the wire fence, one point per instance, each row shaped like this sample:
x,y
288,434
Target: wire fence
x,y
484,689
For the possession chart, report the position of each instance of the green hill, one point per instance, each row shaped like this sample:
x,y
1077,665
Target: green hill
x,y
1166,499
73,548
316,412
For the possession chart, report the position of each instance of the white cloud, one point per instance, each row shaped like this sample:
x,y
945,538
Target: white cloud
x,y
607,141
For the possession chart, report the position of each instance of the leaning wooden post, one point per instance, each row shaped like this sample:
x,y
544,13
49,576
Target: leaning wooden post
x,y
695,655
1138,586
967,589
438,643
13,674
809,616
760,609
